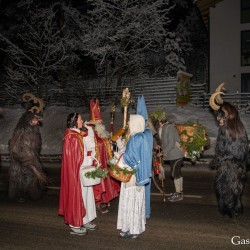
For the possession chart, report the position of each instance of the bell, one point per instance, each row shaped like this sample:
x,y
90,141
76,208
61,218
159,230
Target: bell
x,y
156,167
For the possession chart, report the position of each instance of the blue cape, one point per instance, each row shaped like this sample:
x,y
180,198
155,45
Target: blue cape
x,y
136,155
142,110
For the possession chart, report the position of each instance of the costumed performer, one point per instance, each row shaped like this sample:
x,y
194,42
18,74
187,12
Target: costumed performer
x,y
109,188
87,191
230,158
142,110
71,202
27,178
131,212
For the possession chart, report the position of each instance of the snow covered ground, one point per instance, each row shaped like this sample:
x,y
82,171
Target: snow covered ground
x,y
54,123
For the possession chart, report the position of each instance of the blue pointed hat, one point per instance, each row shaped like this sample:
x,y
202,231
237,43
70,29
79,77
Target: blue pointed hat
x,y
141,107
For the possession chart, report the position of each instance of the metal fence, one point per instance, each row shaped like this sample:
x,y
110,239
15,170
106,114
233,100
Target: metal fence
x,y
157,92
240,100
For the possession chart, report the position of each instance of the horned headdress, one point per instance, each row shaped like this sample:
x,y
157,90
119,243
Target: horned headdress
x,y
37,103
216,101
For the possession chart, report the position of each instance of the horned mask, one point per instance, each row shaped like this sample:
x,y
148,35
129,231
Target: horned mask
x,y
38,106
216,101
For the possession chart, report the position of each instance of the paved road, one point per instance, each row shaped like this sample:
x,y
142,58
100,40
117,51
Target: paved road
x,y
193,223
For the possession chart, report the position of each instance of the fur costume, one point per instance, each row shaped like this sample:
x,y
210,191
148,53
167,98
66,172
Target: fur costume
x,y
230,158
26,174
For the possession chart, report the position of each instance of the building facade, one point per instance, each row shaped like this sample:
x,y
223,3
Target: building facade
x,y
229,29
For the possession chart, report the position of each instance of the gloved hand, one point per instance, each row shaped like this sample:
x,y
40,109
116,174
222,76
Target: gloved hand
x,y
119,143
138,188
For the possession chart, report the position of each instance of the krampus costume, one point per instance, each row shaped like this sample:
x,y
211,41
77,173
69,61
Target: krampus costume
x,y
230,155
26,174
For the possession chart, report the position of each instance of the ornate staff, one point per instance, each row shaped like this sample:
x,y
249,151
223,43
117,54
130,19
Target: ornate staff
x,y
112,111
125,101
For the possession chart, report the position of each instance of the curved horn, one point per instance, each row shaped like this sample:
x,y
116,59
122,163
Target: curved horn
x,y
220,88
38,108
212,103
27,96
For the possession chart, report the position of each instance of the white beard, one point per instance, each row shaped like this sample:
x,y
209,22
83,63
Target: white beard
x,y
101,130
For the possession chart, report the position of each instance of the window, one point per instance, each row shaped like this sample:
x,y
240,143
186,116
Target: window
x,y
245,83
245,48
245,11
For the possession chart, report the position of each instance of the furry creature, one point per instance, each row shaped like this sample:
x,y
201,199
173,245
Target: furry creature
x,y
230,157
26,174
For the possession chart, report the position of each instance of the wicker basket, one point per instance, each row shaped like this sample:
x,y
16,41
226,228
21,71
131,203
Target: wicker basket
x,y
117,174
190,129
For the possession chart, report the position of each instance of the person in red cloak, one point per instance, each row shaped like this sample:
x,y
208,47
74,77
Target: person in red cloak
x,y
109,188
71,204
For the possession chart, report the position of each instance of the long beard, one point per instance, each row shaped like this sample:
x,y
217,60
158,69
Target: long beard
x,y
101,131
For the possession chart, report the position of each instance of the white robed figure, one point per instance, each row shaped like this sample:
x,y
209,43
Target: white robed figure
x,y
87,192
131,212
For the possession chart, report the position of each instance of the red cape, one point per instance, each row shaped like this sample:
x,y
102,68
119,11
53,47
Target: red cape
x,y
109,188
71,204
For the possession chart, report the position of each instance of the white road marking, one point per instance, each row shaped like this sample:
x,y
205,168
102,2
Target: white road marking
x,y
155,194
187,195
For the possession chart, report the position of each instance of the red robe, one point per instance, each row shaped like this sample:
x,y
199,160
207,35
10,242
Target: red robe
x,y
71,204
109,188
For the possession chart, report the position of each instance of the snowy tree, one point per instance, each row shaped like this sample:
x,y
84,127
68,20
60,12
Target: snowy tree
x,y
122,36
193,38
42,51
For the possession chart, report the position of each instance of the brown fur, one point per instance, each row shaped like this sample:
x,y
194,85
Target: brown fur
x,y
27,177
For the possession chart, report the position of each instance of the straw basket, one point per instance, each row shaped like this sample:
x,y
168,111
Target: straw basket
x,y
117,174
117,171
189,131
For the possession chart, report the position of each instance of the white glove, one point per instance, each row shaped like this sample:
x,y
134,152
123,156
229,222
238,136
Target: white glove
x,y
119,143
116,155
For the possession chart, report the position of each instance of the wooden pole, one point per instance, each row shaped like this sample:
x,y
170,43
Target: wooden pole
x,y
125,115
126,102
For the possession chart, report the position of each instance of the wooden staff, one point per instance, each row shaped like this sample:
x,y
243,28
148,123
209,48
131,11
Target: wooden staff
x,y
112,111
162,179
163,190
125,102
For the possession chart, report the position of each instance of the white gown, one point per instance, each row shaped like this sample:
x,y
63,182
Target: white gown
x,y
131,211
87,192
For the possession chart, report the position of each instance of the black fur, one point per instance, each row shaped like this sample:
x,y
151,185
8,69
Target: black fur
x,y
230,161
